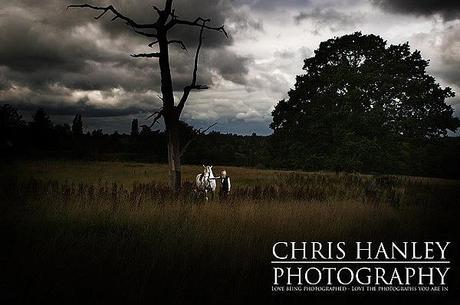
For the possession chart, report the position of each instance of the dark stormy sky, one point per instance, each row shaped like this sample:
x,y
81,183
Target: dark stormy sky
x,y
67,62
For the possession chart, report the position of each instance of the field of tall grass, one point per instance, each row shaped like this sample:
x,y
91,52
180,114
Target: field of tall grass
x,y
82,232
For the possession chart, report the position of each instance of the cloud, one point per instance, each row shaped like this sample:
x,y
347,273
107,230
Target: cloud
x,y
230,66
66,61
448,9
450,54
442,47
48,54
5,84
328,17
322,16
63,101
274,4
84,109
250,115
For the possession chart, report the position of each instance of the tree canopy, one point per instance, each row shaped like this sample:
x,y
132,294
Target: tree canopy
x,y
77,125
359,105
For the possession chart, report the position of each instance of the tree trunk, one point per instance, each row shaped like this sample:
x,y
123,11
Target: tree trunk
x,y
170,115
170,112
174,155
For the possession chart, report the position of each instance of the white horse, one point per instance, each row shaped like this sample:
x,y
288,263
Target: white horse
x,y
206,182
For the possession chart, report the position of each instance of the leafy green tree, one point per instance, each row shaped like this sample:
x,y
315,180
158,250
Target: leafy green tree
x,y
77,125
357,102
10,118
42,134
135,128
41,121
11,125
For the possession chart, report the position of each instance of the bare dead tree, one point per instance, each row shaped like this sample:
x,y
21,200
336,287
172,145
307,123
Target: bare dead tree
x,y
158,30
199,132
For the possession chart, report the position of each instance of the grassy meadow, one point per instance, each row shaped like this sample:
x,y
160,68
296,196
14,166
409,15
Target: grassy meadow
x,y
81,232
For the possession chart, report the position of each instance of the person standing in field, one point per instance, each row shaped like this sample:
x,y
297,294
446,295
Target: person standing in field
x,y
224,185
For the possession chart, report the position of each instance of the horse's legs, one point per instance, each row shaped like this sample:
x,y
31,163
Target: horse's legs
x,y
206,195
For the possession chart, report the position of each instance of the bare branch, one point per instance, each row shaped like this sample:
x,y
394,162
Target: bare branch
x,y
163,14
159,11
193,85
173,14
200,87
199,132
145,33
152,43
184,149
157,115
151,115
206,129
117,14
147,55
180,42
200,22
168,7
155,119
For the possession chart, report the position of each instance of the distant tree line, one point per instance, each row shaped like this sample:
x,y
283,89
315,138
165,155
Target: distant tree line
x,y
40,138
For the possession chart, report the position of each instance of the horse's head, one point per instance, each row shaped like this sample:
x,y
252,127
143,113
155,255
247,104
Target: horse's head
x,y
207,170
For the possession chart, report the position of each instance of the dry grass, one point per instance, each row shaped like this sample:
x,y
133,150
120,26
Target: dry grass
x,y
79,231
125,173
